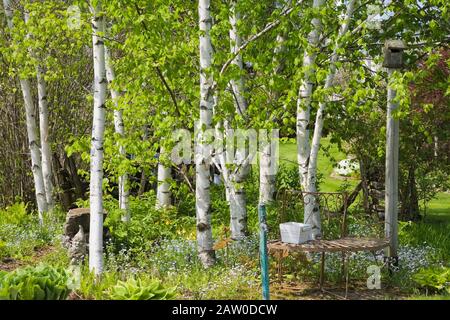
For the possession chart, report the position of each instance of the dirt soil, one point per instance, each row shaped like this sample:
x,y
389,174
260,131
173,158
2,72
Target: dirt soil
x,y
311,291
10,264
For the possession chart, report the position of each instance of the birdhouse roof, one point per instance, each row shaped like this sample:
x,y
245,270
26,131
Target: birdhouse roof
x,y
395,44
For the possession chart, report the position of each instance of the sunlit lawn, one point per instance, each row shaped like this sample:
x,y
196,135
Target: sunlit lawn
x,y
288,156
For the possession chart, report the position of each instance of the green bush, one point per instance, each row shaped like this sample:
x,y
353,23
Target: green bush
x,y
15,214
147,224
436,279
35,283
21,234
139,290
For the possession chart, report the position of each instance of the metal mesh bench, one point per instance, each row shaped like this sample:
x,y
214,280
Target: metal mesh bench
x,y
334,212
338,245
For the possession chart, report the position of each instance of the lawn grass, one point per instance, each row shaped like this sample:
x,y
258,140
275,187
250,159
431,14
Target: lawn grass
x,y
438,209
326,163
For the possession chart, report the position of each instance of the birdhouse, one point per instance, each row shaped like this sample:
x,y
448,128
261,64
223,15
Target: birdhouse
x,y
393,54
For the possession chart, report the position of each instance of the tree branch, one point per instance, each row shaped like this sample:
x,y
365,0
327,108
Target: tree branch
x,y
256,36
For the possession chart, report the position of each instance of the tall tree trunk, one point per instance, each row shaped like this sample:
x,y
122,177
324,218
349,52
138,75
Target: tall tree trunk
x,y
98,128
267,162
303,119
365,184
202,188
410,200
163,196
236,191
119,128
45,143
32,130
311,208
267,166
143,179
238,85
33,141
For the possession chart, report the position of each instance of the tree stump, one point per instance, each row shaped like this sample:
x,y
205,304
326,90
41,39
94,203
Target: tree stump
x,y
76,218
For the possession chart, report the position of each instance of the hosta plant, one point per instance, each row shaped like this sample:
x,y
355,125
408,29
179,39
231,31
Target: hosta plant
x,y
137,289
437,279
35,283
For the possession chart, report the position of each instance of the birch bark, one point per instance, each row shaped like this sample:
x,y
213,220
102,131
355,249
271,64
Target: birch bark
x,y
44,133
311,208
44,130
202,188
163,196
119,128
303,117
267,171
32,130
98,129
268,156
236,191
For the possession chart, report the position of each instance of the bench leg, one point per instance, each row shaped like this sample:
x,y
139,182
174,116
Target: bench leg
x,y
346,274
280,267
322,271
342,275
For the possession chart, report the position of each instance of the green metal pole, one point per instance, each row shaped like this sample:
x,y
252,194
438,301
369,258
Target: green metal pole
x,y
263,251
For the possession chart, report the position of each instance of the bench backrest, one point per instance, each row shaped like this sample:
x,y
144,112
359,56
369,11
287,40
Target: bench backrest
x,y
332,205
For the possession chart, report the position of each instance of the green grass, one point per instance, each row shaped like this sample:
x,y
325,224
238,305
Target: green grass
x,y
432,297
326,164
438,209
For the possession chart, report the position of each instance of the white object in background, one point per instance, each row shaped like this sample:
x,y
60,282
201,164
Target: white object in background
x,y
347,167
295,232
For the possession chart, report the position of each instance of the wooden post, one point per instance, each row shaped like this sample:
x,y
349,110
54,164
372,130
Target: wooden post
x,y
393,60
263,251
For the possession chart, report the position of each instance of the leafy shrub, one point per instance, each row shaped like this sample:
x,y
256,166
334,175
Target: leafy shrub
x,y
287,178
15,214
137,289
147,224
35,283
21,233
436,279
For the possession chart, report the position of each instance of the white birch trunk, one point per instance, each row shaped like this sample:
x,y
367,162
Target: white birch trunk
x,y
119,128
32,130
33,141
98,128
237,85
268,155
304,99
311,207
163,195
202,188
236,193
267,175
45,143
303,119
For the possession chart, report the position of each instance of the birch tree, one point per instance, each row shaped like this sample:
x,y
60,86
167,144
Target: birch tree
x,y
308,154
98,128
32,130
234,185
202,188
45,138
303,117
163,198
43,126
267,174
315,144
119,128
